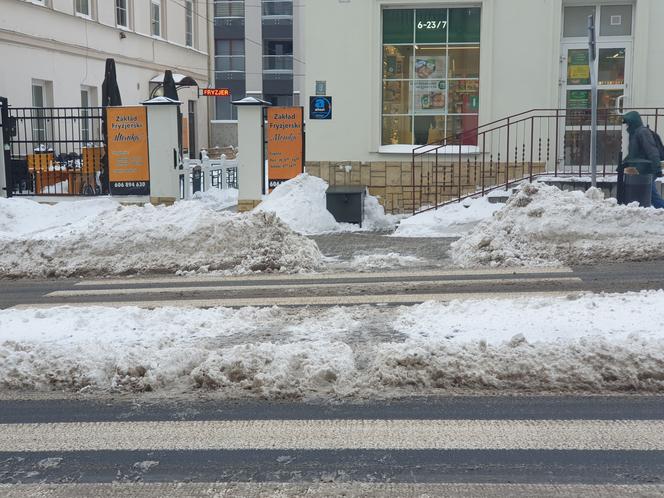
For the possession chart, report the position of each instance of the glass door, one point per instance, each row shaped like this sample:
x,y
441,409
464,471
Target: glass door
x,y
612,68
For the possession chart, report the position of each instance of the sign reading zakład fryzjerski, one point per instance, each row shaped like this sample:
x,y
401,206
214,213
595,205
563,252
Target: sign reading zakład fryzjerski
x,y
128,164
285,144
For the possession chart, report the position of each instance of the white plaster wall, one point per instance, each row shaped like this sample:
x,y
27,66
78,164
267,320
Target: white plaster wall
x,y
163,139
52,44
250,137
519,68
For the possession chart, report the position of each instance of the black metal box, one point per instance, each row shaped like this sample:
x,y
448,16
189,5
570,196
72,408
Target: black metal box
x,y
346,203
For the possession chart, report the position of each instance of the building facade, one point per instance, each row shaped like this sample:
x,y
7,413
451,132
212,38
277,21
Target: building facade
x,y
258,44
53,52
402,73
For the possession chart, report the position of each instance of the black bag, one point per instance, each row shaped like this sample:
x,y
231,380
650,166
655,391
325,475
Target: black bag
x,y
658,143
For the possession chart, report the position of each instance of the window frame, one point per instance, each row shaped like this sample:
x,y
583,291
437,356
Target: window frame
x,y
189,24
156,6
78,13
125,9
408,81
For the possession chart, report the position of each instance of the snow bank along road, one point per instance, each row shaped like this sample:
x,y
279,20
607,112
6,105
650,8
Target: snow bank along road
x,y
563,446
507,334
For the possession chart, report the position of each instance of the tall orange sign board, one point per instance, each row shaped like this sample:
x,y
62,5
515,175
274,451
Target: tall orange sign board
x,y
128,162
285,144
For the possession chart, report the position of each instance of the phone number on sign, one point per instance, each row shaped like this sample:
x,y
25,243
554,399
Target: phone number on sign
x,y
129,184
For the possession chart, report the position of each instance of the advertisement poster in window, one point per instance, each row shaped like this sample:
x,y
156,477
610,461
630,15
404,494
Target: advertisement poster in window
x,y
430,67
285,144
578,68
128,165
430,97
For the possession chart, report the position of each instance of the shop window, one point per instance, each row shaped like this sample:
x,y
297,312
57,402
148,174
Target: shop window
x,y
431,70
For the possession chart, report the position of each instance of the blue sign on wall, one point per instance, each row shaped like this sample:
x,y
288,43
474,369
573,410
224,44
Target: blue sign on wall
x,y
320,107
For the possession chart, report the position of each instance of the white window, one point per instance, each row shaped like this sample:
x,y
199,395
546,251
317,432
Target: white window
x,y
41,93
155,17
82,8
122,13
189,23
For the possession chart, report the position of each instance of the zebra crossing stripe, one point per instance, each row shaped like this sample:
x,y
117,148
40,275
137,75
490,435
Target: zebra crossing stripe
x,y
612,435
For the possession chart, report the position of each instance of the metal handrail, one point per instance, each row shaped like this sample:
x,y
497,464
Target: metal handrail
x,y
509,147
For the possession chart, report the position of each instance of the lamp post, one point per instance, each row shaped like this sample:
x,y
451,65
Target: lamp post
x,y
185,82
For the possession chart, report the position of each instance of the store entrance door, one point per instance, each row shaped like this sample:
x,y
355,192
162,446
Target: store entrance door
x,y
613,65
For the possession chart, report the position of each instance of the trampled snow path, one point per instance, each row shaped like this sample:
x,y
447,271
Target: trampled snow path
x,y
452,220
543,225
101,237
594,343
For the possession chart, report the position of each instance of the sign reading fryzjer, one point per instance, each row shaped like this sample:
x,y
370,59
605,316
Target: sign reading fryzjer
x,y
285,144
128,165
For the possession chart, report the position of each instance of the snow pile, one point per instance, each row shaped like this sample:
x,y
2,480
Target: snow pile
x,y
301,204
218,199
452,220
543,225
22,216
593,344
101,237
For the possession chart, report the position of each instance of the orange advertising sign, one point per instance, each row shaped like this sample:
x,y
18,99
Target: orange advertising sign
x,y
185,134
128,164
285,144
216,92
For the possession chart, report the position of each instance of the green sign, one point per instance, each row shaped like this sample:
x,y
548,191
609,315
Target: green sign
x,y
578,99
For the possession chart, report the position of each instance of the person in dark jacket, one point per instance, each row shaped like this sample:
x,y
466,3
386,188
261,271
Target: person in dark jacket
x,y
642,146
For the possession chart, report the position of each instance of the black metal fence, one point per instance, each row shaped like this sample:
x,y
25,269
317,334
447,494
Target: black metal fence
x,y
55,150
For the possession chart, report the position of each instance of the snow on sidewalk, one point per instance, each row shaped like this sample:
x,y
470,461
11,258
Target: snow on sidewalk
x,y
452,220
101,237
301,204
543,225
592,343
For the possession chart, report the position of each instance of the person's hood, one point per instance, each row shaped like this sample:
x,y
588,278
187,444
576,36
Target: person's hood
x,y
633,121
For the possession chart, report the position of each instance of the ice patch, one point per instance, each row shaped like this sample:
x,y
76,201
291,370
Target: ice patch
x,y
542,225
101,237
368,262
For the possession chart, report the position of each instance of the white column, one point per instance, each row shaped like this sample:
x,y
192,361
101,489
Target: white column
x,y
164,153
250,157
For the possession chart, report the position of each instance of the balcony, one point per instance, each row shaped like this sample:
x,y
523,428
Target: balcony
x,y
229,67
282,64
225,9
277,12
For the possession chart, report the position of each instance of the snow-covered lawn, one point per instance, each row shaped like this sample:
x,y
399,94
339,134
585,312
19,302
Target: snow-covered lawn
x,y
592,343
301,204
102,237
452,220
543,225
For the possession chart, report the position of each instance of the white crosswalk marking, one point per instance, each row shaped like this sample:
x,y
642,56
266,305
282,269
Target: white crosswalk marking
x,y
335,300
376,286
317,490
336,434
328,276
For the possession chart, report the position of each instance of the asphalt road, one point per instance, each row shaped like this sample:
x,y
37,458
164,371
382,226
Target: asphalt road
x,y
396,287
454,446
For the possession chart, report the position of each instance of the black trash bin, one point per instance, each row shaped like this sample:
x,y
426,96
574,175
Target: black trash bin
x,y
346,203
638,188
